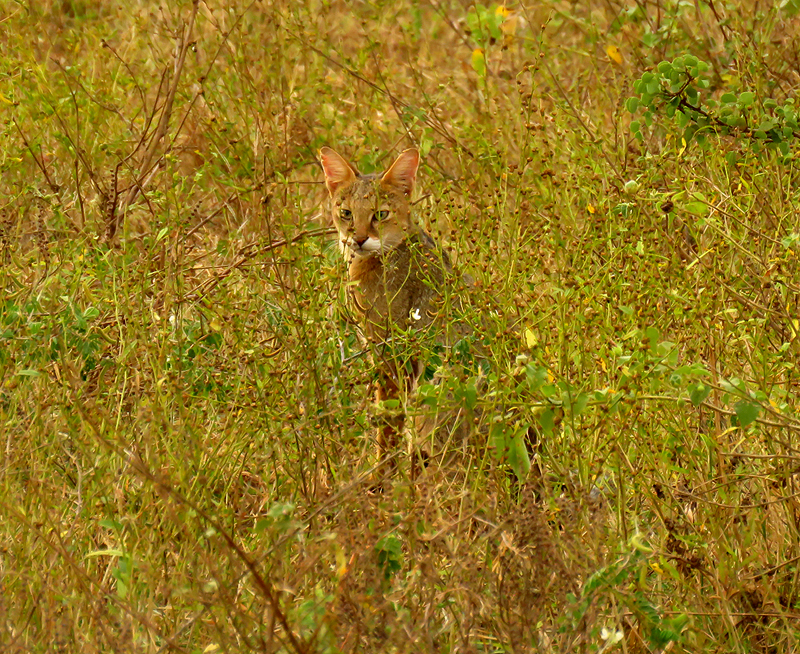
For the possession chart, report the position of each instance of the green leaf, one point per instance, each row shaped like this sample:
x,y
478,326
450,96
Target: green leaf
x,y
747,412
697,208
116,553
747,98
497,439
698,393
28,373
632,105
478,61
494,20
638,543
577,404
652,335
470,395
390,554
518,457
536,376
547,421
474,23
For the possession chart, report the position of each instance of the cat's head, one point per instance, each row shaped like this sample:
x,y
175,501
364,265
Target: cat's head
x,y
370,212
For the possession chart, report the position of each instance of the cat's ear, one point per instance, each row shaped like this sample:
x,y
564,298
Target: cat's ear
x,y
337,171
403,172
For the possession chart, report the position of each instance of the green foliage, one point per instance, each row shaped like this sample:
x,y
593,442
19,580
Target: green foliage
x,y
484,24
509,446
623,582
389,550
680,90
39,337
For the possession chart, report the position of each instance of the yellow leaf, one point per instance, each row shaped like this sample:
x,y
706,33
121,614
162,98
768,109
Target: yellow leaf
x,y
614,54
342,565
530,338
590,208
479,62
502,11
5,99
509,28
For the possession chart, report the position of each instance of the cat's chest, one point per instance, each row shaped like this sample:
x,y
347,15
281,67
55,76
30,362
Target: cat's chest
x,y
382,286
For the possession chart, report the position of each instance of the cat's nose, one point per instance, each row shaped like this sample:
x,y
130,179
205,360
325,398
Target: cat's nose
x,y
360,240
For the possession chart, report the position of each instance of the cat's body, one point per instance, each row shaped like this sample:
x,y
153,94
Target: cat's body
x,y
398,290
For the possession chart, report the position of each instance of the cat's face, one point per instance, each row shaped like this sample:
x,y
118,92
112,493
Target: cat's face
x,y
370,212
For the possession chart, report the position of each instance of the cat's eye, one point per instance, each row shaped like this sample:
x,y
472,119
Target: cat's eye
x,y
383,214
345,214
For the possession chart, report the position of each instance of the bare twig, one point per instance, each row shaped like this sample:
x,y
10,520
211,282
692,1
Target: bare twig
x,y
210,284
39,161
149,160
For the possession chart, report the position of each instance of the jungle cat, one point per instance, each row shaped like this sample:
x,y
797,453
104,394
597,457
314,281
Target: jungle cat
x,y
397,274
396,271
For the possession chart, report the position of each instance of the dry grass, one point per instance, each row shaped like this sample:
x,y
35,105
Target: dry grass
x,y
188,454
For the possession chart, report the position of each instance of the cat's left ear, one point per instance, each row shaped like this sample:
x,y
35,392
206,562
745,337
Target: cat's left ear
x,y
403,172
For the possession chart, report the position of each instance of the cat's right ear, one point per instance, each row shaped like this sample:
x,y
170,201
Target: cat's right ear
x,y
337,171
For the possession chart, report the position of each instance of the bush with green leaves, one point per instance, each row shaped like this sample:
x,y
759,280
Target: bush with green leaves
x,y
683,90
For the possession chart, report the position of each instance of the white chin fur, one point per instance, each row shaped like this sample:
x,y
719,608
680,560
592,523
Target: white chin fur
x,y
370,247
